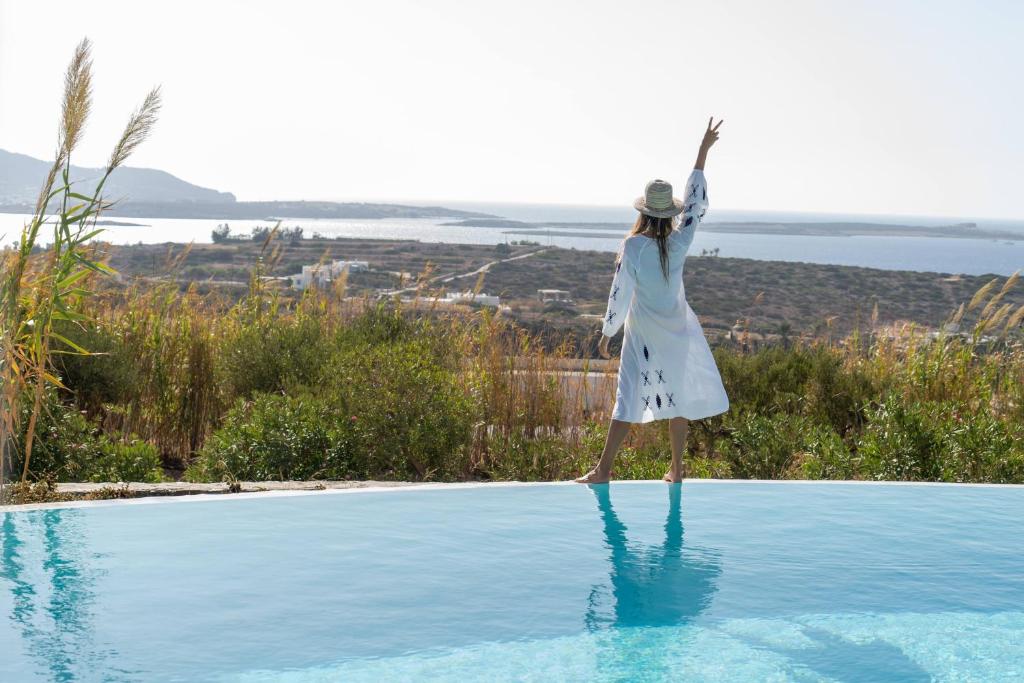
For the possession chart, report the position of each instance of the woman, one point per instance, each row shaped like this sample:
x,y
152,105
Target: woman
x,y
666,371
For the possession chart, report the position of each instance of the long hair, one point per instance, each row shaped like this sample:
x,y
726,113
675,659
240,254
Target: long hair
x,y
660,228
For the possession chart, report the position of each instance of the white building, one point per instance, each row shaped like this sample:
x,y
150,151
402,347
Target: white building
x,y
323,274
548,295
461,298
480,299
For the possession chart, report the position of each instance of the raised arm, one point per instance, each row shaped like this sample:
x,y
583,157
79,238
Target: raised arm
x,y
695,197
710,138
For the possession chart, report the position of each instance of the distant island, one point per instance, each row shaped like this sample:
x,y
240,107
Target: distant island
x,y
816,229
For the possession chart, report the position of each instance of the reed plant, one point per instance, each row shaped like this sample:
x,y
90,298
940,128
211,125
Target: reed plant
x,y
43,286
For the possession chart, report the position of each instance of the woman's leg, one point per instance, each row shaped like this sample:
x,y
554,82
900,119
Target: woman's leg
x,y
678,429
602,472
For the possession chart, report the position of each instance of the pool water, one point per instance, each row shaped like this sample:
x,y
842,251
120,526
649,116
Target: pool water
x,y
707,581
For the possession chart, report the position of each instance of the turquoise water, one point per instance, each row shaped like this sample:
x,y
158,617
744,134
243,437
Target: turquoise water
x,y
708,581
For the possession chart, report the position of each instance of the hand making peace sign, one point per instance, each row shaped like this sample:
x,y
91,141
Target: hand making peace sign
x,y
710,138
711,134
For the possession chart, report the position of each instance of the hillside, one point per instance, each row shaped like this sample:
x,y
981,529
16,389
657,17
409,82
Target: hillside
x,y
21,176
774,296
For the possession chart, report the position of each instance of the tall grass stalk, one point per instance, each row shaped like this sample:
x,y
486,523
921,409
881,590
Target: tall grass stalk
x,y
46,285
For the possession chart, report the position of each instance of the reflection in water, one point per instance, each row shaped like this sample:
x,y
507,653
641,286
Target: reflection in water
x,y
657,585
671,585
652,586
43,563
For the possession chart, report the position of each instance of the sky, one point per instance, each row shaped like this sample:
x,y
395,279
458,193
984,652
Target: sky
x,y
880,107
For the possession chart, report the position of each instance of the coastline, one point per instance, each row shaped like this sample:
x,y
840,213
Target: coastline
x,y
789,228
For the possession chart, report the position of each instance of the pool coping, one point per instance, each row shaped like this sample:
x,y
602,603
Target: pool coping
x,y
382,487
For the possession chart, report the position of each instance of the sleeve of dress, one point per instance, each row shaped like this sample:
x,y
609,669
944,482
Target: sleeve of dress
x,y
695,204
620,296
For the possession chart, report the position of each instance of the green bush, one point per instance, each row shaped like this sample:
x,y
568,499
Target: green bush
x,y
703,467
544,458
766,446
766,381
132,461
107,375
273,354
410,415
826,456
65,446
933,441
901,443
382,411
837,394
275,437
70,447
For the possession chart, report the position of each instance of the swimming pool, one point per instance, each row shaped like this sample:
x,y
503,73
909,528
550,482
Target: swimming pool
x,y
707,581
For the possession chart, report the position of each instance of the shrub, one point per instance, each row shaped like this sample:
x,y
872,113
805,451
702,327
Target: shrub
x,y
826,456
766,381
979,447
900,443
939,441
837,393
410,415
766,446
271,436
272,354
543,458
70,447
106,375
66,443
127,461
384,411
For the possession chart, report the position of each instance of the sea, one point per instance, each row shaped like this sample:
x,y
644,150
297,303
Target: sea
x,y
970,256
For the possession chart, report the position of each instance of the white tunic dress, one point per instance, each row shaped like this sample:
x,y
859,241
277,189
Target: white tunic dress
x,y
666,369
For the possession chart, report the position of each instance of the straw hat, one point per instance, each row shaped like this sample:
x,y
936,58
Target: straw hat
x,y
658,200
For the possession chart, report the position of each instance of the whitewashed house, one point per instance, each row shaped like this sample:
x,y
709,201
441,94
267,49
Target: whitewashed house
x,y
323,274
460,298
554,295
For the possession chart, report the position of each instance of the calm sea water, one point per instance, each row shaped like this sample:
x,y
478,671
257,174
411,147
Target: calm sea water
x,y
969,256
707,581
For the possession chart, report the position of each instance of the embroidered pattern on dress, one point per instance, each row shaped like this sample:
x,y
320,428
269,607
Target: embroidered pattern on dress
x,y
657,399
647,356
661,376
611,315
615,292
647,402
647,378
671,403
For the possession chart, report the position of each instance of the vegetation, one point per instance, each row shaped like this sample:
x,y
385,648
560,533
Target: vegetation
x,y
793,300
329,387
41,291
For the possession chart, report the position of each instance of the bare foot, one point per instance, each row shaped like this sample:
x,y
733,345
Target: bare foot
x,y
594,477
672,477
